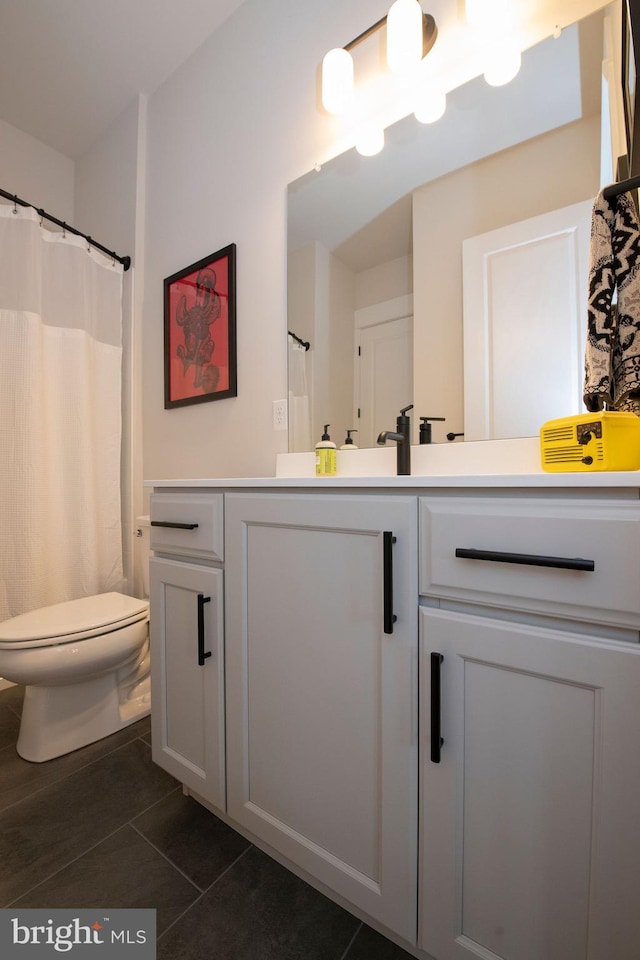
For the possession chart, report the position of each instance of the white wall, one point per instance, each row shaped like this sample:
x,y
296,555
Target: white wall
x,y
385,281
36,173
227,133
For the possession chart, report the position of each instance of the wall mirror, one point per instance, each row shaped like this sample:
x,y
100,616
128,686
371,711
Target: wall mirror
x,y
383,254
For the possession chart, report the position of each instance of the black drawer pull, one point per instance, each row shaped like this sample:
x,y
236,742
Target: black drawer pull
x,y
388,615
173,525
436,739
202,656
532,559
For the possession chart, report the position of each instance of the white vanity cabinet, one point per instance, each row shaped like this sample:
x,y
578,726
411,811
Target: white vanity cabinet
x,y
530,769
187,641
322,748
427,701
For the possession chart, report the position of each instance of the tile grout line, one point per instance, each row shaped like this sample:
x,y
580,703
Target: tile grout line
x,y
205,891
165,857
127,823
351,942
64,867
66,776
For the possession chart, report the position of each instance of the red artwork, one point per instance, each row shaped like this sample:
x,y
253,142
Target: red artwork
x,y
200,331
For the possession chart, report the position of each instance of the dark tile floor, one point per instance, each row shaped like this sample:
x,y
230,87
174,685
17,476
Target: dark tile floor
x,y
104,826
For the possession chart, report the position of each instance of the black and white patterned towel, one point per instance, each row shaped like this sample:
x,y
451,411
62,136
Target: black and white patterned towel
x,y
612,356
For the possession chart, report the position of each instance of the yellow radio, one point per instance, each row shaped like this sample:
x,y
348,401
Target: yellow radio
x,y
591,441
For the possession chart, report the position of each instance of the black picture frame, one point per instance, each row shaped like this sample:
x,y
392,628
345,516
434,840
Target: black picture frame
x,y
200,361
630,78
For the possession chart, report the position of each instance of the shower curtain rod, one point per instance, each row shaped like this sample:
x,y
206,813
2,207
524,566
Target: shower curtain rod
x,y
125,261
303,343
615,189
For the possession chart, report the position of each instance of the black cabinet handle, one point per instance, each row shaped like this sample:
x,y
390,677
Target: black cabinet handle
x,y
388,615
436,739
173,525
202,656
532,559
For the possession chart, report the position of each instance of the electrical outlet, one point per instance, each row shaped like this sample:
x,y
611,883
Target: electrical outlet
x,y
279,414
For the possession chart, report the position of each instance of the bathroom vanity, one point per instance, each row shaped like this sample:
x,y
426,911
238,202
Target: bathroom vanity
x,y
421,694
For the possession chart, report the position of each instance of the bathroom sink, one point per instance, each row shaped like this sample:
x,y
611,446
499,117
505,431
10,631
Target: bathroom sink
x,y
470,458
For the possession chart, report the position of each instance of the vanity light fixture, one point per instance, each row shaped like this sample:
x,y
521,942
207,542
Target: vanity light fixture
x,y
410,36
494,19
337,81
404,36
430,105
369,139
503,64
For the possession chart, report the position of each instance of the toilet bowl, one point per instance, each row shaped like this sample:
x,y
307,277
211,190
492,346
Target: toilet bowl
x,y
85,667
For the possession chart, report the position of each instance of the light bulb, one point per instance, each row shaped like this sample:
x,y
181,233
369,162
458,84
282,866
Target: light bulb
x,y
473,11
504,64
370,139
430,105
404,35
337,81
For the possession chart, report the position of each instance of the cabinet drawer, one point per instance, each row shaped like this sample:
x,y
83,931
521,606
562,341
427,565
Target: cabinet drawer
x,y
190,524
541,540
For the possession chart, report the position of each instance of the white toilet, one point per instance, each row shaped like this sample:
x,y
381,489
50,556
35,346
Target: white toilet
x,y
85,666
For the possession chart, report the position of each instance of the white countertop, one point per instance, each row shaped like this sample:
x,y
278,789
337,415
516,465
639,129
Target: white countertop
x,y
488,463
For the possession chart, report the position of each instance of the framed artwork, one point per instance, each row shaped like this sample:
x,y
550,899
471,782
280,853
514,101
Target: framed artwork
x,y
630,43
200,331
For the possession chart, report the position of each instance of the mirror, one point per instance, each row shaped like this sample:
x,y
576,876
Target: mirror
x,y
375,244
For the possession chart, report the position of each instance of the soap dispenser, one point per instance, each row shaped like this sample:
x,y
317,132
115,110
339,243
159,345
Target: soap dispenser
x,y
348,443
325,455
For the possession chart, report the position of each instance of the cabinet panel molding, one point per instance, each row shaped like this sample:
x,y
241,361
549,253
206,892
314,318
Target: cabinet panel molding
x,y
604,534
322,703
535,797
188,729
188,524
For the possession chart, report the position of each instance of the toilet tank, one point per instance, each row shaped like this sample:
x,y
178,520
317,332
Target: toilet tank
x,y
141,558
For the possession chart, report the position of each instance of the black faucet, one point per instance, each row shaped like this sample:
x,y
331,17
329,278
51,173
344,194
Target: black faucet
x,y
425,428
402,436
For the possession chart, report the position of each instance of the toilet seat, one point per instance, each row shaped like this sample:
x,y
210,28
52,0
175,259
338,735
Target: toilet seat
x,y
72,620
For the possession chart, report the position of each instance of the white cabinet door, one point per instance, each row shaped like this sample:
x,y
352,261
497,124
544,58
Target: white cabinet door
x,y
530,830
187,675
321,701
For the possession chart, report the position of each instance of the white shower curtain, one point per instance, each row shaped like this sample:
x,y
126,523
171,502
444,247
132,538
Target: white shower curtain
x,y
299,412
60,416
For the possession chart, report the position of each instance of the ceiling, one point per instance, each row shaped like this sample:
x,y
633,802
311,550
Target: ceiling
x,y
68,68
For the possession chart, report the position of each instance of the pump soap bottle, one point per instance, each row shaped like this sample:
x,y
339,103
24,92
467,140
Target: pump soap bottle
x,y
348,443
325,455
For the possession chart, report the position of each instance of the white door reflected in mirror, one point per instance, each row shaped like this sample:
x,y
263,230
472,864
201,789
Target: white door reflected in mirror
x,y
383,373
525,293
